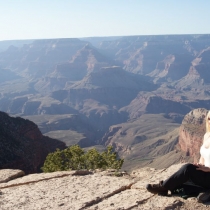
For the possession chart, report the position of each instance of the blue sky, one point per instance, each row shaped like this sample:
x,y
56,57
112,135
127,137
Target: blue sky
x,y
36,19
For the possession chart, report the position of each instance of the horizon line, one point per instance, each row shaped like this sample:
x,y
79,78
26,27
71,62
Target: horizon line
x,y
85,37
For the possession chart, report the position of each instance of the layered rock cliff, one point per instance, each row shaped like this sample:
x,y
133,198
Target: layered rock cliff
x,y
192,131
22,146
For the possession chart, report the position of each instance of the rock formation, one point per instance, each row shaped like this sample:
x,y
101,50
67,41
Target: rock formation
x,y
191,132
22,146
80,190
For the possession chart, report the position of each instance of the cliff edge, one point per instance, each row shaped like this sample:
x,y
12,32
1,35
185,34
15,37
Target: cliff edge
x,y
22,145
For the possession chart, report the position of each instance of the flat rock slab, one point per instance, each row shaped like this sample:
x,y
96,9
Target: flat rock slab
x,y
127,199
9,174
32,178
78,190
67,192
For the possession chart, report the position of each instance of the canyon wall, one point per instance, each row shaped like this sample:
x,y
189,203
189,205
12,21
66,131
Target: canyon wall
x,y
22,146
192,131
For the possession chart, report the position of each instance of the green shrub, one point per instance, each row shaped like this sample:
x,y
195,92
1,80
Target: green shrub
x,y
74,158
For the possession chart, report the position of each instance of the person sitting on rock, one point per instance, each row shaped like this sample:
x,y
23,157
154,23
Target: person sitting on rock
x,y
198,173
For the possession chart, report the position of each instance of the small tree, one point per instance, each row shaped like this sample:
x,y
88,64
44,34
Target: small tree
x,y
54,162
74,158
93,159
111,159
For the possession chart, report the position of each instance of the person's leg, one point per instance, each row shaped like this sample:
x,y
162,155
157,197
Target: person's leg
x,y
185,173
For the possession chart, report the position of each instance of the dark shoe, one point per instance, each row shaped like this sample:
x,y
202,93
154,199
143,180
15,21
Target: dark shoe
x,y
157,188
204,197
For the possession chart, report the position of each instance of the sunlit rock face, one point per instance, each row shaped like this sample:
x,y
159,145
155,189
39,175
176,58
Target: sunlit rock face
x,y
191,132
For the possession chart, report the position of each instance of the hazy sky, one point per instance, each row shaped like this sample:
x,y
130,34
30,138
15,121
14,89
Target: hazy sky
x,y
35,19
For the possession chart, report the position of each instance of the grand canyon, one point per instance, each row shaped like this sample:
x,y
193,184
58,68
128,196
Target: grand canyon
x,y
147,96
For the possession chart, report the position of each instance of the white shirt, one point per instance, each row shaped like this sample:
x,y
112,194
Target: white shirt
x,y
205,153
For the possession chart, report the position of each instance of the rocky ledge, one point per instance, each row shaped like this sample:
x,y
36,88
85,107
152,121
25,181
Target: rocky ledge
x,y
88,190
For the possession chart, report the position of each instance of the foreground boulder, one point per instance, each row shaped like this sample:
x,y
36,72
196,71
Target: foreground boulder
x,y
87,190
